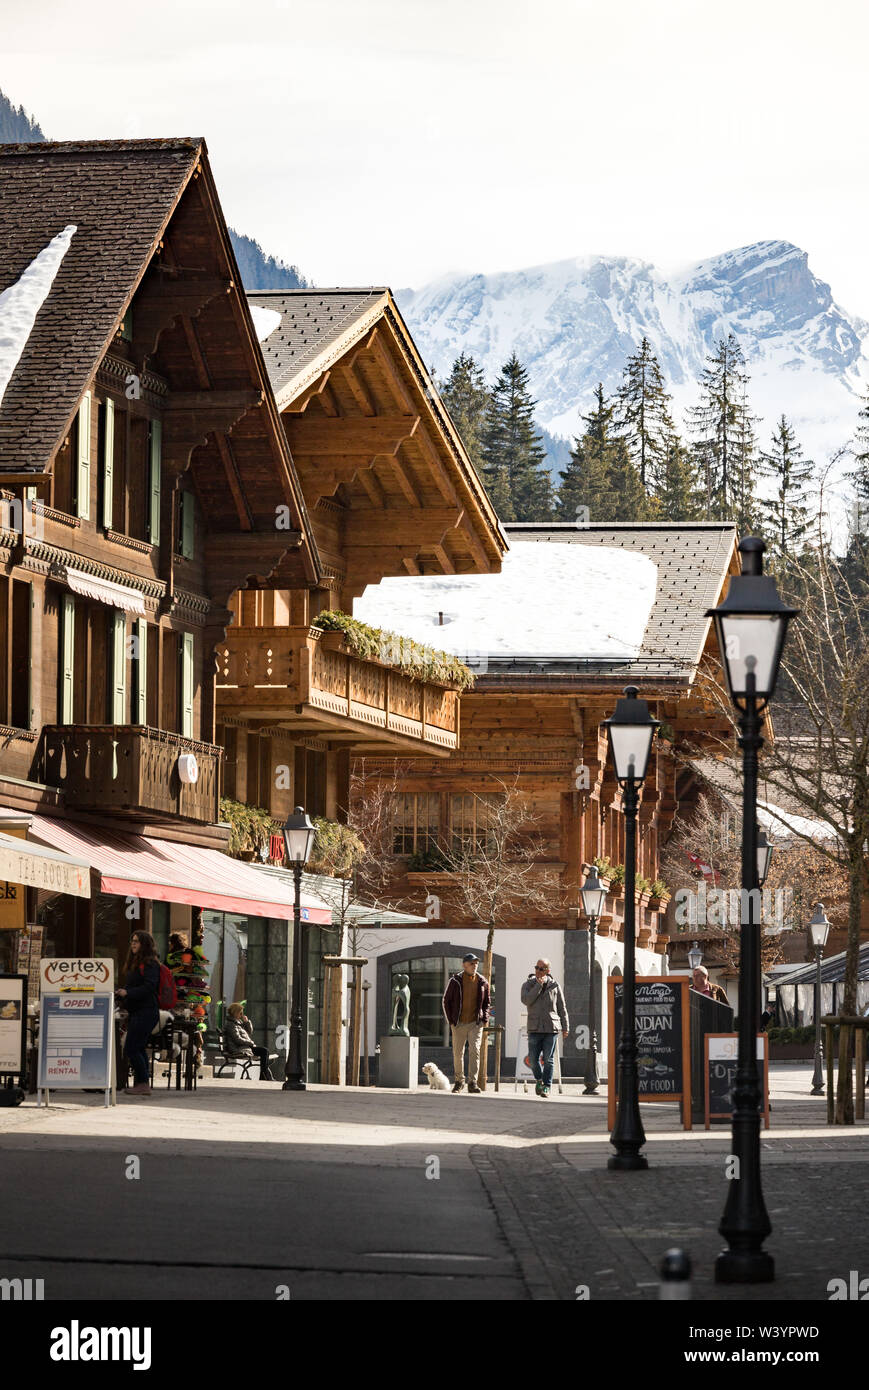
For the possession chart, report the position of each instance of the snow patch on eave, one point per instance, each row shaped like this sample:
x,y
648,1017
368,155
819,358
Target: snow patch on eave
x,y
21,302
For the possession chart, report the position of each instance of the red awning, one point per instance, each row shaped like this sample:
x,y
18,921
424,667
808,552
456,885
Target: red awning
x,y
140,866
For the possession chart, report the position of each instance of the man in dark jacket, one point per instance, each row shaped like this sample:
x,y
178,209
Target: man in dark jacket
x,y
547,1017
466,1007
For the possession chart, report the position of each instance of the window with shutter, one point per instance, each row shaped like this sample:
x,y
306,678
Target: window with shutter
x,y
83,472
20,675
67,659
154,472
140,672
118,694
188,505
187,684
107,481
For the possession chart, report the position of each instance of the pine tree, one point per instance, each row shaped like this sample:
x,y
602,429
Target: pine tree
x,y
466,397
724,438
860,476
631,502
513,460
787,512
679,496
601,475
643,414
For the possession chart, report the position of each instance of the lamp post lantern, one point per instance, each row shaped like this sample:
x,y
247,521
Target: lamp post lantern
x,y
819,928
695,956
630,731
593,896
751,625
764,857
298,841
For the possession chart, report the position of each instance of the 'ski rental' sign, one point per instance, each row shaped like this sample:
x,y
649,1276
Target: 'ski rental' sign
x,y
76,1029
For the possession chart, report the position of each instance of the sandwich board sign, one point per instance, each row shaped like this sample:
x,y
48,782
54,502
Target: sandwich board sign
x,y
13,1025
722,1055
76,1026
662,1022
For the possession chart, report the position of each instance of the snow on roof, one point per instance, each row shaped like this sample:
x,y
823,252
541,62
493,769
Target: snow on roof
x,y
21,302
774,819
549,600
265,321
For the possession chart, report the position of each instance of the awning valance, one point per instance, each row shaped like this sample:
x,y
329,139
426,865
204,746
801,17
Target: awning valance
x,y
32,865
141,866
106,591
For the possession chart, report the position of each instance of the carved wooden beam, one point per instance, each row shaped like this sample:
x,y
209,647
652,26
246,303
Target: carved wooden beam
x,y
377,434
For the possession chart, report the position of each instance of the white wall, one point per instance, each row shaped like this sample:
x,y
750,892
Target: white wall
x,y
521,950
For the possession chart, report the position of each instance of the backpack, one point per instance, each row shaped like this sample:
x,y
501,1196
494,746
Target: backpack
x,y
167,994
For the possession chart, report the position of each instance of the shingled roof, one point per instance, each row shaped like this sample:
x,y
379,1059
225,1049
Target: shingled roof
x,y
119,195
315,329
693,560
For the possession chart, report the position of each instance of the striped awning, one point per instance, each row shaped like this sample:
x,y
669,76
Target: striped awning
x,y
106,591
142,866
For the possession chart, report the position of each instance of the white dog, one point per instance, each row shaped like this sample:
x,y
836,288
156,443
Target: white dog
x,y
436,1079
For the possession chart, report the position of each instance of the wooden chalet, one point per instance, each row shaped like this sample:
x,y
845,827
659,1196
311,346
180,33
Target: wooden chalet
x,y
390,491
145,478
552,634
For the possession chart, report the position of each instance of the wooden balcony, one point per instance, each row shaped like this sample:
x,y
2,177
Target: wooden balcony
x,y
307,680
131,769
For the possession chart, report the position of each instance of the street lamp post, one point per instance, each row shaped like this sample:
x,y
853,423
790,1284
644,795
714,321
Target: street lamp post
x,y
751,625
298,840
695,956
819,928
630,731
593,896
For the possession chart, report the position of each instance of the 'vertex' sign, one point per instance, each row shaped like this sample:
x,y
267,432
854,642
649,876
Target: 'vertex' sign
x,y
70,973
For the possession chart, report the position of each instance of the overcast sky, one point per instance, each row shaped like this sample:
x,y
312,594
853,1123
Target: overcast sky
x,y
390,141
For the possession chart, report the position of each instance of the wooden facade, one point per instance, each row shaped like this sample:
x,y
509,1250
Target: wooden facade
x,y
168,487
390,491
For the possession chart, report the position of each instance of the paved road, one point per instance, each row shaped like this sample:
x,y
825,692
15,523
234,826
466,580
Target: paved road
x,y
243,1189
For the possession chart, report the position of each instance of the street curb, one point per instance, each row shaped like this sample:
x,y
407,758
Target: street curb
x,y
533,1269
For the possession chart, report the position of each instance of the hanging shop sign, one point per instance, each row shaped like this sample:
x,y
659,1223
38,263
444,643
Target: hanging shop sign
x,y
76,1025
13,1025
661,1016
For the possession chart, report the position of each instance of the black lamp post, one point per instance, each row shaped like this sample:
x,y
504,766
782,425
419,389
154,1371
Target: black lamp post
x,y
751,625
298,839
630,732
593,896
819,928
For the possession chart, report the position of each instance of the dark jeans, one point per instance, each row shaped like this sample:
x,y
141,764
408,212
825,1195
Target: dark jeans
x,y
139,1029
545,1043
262,1055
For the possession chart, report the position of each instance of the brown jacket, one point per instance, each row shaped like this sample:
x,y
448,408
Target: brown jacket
x,y
452,1000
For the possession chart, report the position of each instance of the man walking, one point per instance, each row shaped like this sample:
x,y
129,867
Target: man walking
x,y
547,1017
466,1007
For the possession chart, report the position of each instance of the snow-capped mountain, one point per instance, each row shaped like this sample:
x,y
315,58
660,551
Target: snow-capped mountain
x,y
573,323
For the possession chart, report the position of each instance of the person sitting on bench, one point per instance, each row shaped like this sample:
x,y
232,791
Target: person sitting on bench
x,y
238,1040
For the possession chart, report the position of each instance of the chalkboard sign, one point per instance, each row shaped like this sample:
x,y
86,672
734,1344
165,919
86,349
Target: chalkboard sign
x,y
663,1034
720,1063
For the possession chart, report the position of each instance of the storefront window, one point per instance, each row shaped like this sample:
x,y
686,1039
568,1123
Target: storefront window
x,y
428,980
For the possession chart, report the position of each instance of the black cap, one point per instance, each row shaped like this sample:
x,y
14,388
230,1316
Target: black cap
x,y
470,956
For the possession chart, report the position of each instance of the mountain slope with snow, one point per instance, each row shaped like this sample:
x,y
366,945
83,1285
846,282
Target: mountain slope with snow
x,y
573,323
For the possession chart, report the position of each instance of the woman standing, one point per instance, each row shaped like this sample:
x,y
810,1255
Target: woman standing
x,y
140,995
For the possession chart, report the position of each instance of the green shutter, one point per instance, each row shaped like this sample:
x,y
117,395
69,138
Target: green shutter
x,y
83,475
67,663
154,482
187,684
108,481
119,668
140,709
188,508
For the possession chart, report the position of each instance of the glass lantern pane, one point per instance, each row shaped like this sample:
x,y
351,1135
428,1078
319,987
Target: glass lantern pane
x,y
750,643
631,744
